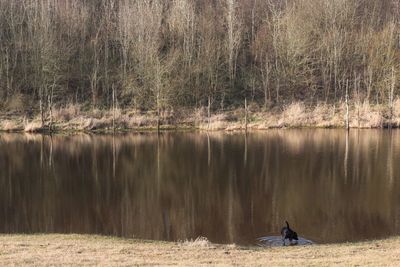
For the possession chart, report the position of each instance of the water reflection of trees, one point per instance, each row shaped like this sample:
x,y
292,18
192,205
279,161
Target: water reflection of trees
x,y
230,188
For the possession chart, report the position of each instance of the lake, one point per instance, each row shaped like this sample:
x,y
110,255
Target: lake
x,y
228,187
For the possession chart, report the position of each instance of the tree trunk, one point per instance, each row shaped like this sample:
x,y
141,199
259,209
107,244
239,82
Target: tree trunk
x,y
347,106
50,103
41,108
391,95
113,106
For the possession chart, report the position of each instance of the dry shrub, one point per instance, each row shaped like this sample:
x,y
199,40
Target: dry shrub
x,y
265,120
110,113
10,125
322,115
219,117
200,114
67,113
186,116
396,108
79,123
396,113
294,115
102,123
33,126
93,121
253,107
139,120
17,102
168,116
201,241
118,113
96,113
84,123
235,127
214,126
369,118
217,122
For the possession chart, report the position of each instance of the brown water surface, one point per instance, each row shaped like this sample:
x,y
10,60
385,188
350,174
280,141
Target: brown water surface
x,y
230,188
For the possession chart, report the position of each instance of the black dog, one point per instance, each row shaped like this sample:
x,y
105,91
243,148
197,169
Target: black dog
x,y
288,233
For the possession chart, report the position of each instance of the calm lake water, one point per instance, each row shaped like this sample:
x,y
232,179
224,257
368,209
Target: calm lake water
x,y
230,188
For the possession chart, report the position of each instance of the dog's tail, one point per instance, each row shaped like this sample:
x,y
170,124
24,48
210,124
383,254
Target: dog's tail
x,y
287,224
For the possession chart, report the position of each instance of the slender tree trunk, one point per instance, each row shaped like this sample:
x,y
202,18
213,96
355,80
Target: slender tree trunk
x,y
357,88
41,107
391,95
50,103
113,106
7,75
346,156
347,106
158,111
114,156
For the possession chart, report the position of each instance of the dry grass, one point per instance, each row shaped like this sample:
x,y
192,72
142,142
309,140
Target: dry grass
x,y
18,102
33,126
396,112
370,117
198,242
66,113
76,250
295,115
11,125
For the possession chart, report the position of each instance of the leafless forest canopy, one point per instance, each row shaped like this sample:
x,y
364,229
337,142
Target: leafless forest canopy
x,y
159,54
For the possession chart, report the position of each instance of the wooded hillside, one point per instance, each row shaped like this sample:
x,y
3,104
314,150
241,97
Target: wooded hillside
x,y
159,54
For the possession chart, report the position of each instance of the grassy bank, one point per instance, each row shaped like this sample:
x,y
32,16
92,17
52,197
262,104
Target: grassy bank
x,y
55,249
296,115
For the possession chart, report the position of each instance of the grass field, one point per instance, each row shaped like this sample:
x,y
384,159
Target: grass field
x,y
62,250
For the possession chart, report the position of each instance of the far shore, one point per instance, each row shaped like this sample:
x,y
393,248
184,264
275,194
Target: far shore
x,y
67,250
297,115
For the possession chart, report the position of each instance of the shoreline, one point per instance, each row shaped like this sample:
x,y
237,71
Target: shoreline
x,y
75,249
72,119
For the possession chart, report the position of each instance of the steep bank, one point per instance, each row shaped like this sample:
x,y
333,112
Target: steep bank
x,y
61,250
296,115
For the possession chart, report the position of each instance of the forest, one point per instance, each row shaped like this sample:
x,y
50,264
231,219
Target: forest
x,y
155,55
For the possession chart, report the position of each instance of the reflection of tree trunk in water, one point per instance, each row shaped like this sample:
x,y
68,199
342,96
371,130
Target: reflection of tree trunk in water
x,y
357,159
346,156
275,191
114,155
245,149
164,213
94,164
51,152
167,225
158,164
41,152
230,209
208,150
125,224
42,157
252,211
390,159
